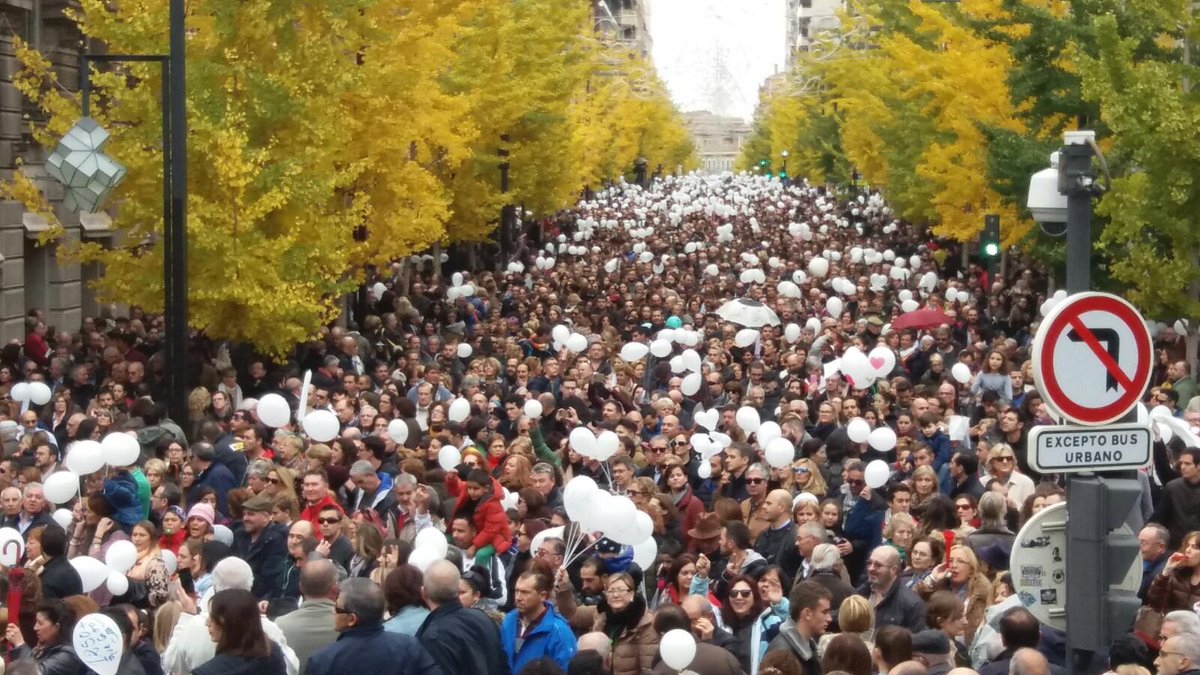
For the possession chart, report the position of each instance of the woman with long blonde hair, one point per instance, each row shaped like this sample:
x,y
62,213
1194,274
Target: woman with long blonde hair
x,y
962,577
807,478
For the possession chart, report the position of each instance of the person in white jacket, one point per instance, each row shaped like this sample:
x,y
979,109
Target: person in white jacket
x,y
191,645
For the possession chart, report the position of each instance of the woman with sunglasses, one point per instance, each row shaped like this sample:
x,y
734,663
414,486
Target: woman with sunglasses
x,y
753,618
280,482
807,478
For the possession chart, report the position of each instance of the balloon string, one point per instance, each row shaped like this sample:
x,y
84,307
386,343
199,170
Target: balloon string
x,y
575,554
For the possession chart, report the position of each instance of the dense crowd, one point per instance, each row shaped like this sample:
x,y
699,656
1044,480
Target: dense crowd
x,y
720,425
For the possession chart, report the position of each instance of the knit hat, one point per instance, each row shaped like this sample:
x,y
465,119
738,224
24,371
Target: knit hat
x,y
204,512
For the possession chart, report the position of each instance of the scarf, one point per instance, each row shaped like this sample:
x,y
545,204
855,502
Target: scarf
x,y
617,622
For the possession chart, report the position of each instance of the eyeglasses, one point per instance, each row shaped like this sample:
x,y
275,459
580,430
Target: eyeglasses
x,y
617,590
754,481
329,521
741,593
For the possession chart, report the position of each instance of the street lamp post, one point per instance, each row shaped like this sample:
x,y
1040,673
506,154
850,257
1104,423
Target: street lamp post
x,y
783,174
639,166
507,214
174,142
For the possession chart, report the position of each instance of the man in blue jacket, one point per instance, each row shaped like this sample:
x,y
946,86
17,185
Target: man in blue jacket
x,y
363,646
535,630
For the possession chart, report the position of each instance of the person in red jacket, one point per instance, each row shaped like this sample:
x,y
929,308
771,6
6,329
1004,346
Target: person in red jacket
x,y
315,489
479,497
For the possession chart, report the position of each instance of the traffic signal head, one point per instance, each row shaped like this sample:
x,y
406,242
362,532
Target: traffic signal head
x,y
989,241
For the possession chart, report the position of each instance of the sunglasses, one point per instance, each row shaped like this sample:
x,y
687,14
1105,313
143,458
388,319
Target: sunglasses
x,y
801,469
741,593
655,448
634,493
1005,458
679,444
341,610
329,521
755,481
274,481
963,507
855,482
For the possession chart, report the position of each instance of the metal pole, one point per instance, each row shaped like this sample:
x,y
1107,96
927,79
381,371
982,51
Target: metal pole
x,y
1075,181
177,309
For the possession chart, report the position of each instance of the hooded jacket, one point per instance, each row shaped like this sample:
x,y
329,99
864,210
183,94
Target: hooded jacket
x,y
491,524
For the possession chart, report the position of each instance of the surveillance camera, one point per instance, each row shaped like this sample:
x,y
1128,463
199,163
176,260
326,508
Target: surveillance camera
x,y
1046,203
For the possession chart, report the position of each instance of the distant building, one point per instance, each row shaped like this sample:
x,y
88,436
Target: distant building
x,y
30,276
806,19
625,21
718,139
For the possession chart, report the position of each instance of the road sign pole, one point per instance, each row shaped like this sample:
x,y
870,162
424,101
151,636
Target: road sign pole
x,y
1075,181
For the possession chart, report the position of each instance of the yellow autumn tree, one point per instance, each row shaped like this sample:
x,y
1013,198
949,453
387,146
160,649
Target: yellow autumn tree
x,y
292,146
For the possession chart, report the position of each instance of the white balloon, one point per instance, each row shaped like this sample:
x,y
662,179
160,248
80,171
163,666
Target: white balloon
x,y
660,348
98,642
460,409
961,373
746,337
532,408
169,560
707,419
548,533
321,426
117,583
273,410
422,558
818,267
691,360
792,333
962,297
767,432
398,431
691,384
677,648
780,453
677,364
61,487
560,333
617,519
909,305
876,474
882,438
39,393
433,539
84,457
882,360
464,350
704,471
92,572
645,553
379,290
834,307
577,343
607,445
20,392
643,526
748,419
578,496
583,441
856,365
449,457
858,429
120,556
63,517
633,351
121,449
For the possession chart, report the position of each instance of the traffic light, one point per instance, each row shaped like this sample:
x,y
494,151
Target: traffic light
x,y
762,163
1099,557
989,241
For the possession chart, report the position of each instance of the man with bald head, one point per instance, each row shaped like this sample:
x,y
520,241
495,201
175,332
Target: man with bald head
x,y
780,532
895,604
10,504
460,639
596,642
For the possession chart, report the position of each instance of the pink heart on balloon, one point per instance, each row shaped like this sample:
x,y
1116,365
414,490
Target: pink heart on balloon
x,y
876,362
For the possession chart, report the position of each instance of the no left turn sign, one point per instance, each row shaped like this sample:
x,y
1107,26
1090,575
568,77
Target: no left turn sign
x,y
1092,358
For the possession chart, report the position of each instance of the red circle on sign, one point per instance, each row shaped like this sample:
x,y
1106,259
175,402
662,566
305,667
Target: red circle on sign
x,y
1061,321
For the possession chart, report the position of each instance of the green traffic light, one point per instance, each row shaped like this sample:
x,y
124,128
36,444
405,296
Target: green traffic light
x,y
991,249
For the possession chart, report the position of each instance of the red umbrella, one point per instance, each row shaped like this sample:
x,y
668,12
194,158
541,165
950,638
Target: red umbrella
x,y
920,319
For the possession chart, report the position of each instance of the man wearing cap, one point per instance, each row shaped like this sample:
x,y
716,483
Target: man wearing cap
x,y
932,648
263,545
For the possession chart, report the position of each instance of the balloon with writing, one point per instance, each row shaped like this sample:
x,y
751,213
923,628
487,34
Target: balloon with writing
x,y
97,641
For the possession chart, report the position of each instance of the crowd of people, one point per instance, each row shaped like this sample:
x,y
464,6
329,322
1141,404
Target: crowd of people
x,y
438,529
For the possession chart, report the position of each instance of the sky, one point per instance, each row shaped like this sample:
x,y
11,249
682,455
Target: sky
x,y
714,54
